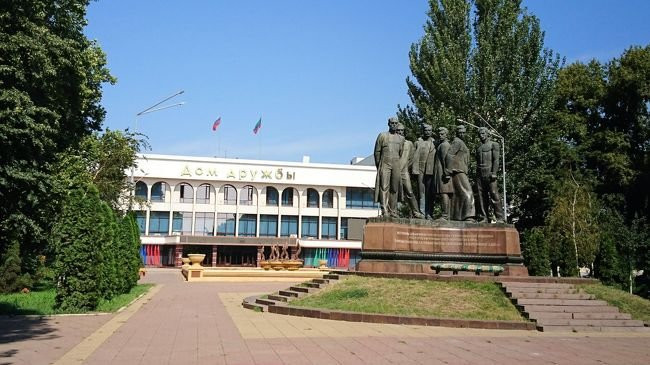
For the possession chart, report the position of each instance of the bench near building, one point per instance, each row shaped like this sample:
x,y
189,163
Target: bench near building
x,y
232,210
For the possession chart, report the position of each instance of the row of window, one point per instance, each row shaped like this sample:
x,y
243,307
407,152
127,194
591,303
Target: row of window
x,y
355,197
268,227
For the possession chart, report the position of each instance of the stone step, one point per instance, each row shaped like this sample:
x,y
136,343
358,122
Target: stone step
x,y
313,285
556,302
290,293
516,284
602,315
331,276
278,298
592,329
569,308
569,315
543,315
543,290
255,307
589,322
265,301
321,281
301,289
552,296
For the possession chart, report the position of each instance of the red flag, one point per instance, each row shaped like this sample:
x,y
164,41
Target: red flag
x,y
216,124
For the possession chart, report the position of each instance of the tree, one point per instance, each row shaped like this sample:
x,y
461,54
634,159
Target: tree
x,y
50,89
487,58
535,252
78,237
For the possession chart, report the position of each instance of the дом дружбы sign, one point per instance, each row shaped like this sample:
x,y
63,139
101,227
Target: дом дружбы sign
x,y
239,174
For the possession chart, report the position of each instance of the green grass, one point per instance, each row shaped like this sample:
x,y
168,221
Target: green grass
x,y
462,300
636,306
41,302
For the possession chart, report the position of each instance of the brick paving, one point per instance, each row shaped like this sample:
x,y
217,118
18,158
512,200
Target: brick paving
x,y
204,323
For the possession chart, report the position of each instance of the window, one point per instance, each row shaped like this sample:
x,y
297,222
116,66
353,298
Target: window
x,y
329,228
344,228
268,225
203,194
141,219
287,197
247,225
328,198
229,195
271,196
182,223
225,224
204,224
159,223
186,193
312,198
246,195
289,225
141,191
360,198
309,227
158,191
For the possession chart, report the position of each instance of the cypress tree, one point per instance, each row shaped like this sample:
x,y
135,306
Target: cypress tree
x,y
77,239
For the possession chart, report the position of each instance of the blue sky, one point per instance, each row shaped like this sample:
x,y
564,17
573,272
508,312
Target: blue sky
x,y
323,75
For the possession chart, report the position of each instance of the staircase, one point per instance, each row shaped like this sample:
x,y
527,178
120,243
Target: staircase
x,y
260,304
563,307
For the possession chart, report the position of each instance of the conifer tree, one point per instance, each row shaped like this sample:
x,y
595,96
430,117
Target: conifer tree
x,y
78,238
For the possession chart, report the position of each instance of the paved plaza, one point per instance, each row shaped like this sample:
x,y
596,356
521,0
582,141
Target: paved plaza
x,y
204,323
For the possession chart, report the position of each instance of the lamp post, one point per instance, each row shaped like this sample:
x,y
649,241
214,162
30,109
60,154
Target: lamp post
x,y
493,132
151,109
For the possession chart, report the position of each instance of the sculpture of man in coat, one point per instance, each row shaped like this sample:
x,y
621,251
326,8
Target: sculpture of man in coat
x,y
442,186
388,150
405,180
462,203
487,165
423,160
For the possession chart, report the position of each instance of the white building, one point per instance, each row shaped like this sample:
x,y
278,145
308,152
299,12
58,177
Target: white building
x,y
232,209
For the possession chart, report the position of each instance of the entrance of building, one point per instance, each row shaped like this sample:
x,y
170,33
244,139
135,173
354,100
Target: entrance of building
x,y
237,256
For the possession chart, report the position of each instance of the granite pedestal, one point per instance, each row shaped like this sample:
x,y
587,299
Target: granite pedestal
x,y
413,245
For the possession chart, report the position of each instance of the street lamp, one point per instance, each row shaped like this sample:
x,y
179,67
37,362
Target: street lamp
x,y
151,109
493,132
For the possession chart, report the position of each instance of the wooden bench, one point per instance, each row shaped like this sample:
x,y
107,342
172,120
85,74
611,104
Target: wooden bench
x,y
456,267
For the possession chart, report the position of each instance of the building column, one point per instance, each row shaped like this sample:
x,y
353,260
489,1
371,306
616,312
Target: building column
x,y
260,252
214,255
178,253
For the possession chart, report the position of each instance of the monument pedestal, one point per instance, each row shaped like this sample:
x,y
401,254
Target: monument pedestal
x,y
413,245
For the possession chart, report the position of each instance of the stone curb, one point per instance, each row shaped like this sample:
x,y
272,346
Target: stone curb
x,y
522,279
395,319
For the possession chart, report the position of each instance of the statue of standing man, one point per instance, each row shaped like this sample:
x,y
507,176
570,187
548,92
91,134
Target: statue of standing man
x,y
462,204
423,161
388,150
487,164
442,186
406,161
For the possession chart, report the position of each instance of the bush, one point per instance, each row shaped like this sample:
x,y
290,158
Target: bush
x,y
535,252
78,237
11,279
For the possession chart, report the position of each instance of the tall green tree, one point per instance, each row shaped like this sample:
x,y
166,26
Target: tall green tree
x,y
485,60
50,91
79,237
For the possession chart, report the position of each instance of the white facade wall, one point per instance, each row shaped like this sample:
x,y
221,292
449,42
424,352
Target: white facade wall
x,y
219,172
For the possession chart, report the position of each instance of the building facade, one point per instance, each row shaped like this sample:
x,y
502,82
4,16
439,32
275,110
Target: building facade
x,y
233,210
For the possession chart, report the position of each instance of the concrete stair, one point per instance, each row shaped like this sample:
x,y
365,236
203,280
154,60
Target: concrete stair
x,y
261,303
563,307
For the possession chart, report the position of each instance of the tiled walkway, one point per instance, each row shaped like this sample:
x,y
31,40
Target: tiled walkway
x,y
204,323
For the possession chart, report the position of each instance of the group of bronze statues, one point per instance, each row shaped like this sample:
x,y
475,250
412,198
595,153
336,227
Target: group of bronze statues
x,y
440,168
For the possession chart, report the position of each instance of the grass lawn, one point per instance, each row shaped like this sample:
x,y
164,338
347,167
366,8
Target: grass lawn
x,y
638,307
42,301
464,300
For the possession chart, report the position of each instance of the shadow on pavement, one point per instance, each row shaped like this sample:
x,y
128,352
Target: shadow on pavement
x,y
15,329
